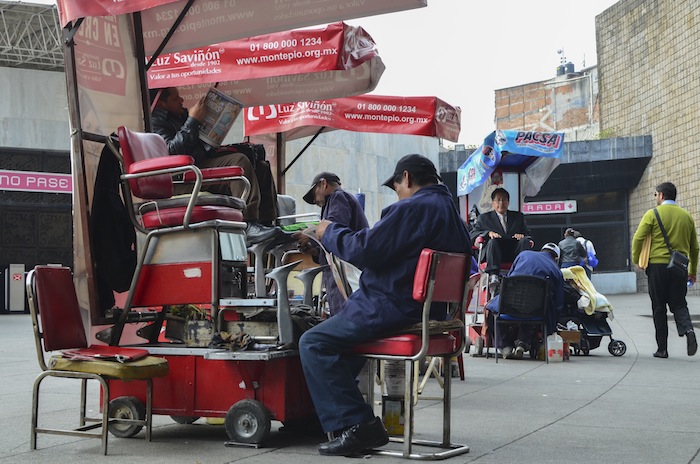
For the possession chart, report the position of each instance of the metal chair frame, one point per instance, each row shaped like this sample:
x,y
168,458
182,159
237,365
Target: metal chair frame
x,y
440,277
36,307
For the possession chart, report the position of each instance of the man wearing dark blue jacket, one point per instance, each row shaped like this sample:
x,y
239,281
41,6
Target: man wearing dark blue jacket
x,y
424,217
541,264
338,206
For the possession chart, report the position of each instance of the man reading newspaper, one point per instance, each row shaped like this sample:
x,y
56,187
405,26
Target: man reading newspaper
x,y
180,128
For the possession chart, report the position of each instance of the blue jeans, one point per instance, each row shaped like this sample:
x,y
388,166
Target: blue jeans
x,y
331,370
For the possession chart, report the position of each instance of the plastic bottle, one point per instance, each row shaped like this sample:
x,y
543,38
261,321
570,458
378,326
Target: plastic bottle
x,y
555,348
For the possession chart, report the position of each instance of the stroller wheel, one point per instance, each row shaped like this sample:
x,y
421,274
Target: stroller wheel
x,y
617,347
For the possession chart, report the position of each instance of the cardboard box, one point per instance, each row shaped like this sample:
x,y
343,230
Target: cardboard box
x,y
570,336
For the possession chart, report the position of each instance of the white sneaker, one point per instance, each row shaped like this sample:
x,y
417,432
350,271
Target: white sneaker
x,y
519,352
507,352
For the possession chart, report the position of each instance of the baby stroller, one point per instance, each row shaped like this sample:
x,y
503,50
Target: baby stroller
x,y
587,311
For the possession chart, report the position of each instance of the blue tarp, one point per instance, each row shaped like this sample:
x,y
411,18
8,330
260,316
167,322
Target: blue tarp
x,y
510,150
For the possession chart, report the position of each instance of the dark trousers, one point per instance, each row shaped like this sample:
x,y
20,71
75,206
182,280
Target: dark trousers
x,y
499,250
667,290
330,371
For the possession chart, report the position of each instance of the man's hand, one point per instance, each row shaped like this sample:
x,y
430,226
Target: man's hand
x,y
518,236
305,245
493,234
198,111
691,278
321,228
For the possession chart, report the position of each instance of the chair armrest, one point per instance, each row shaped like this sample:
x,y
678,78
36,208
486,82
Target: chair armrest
x,y
215,173
161,162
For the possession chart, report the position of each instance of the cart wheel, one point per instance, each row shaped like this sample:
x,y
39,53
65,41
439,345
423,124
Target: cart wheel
x,y
585,347
617,347
185,420
247,422
126,407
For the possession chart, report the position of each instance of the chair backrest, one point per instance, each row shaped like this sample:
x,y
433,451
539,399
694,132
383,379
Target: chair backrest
x,y
139,146
524,296
55,310
450,272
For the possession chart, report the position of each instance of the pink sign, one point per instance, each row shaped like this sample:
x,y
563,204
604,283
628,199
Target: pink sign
x,y
550,207
26,181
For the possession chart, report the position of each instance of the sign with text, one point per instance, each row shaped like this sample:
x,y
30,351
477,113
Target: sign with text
x,y
27,181
549,207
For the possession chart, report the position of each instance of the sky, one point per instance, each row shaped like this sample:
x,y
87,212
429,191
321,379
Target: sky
x,y
461,51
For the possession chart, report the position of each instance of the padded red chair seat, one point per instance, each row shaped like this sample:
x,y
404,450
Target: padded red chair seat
x,y
505,267
406,345
174,216
204,199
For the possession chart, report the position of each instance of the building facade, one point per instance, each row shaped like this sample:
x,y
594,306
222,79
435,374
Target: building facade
x,y
648,67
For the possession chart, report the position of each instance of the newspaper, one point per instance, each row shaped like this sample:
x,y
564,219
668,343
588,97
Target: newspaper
x,y
221,113
346,276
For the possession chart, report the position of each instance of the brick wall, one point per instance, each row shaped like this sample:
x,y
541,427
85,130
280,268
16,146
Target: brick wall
x,y
561,103
648,68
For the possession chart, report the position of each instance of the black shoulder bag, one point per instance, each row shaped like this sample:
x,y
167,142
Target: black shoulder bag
x,y
678,264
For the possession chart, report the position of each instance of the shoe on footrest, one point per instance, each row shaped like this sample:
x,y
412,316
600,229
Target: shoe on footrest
x,y
359,437
256,233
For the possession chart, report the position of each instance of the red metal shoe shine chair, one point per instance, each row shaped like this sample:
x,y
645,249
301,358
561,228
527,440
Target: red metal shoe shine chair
x,y
58,325
440,277
185,236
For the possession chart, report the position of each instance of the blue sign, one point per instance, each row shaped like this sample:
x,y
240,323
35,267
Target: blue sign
x,y
508,149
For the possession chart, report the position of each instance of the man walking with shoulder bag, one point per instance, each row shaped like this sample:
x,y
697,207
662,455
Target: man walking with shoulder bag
x,y
672,229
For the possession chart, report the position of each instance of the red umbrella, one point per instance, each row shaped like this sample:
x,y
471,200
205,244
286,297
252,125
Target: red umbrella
x,y
428,116
337,60
214,21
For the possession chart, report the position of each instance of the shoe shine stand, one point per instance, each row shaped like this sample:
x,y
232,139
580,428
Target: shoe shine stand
x,y
247,388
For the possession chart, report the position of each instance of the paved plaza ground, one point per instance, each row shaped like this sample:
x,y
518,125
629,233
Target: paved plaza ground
x,y
592,409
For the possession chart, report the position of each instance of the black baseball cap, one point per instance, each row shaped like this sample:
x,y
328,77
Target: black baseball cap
x,y
329,176
413,164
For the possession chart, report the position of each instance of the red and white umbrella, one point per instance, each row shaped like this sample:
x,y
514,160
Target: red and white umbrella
x,y
427,116
337,60
215,21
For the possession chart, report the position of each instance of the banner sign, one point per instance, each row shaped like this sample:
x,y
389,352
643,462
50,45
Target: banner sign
x,y
27,181
337,60
427,116
508,149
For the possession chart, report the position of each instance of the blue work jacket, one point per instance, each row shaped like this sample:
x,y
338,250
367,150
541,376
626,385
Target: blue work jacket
x,y
388,254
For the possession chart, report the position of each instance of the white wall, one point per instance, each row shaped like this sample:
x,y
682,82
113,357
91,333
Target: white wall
x,y
34,112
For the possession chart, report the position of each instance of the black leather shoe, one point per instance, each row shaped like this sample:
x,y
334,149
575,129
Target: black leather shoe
x,y
661,354
256,233
692,343
357,438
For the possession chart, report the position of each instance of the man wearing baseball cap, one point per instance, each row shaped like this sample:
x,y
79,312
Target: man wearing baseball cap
x,y
542,264
424,217
338,206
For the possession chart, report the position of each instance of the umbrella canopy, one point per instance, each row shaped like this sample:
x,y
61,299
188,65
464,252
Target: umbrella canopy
x,y
534,153
427,116
215,21
337,60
